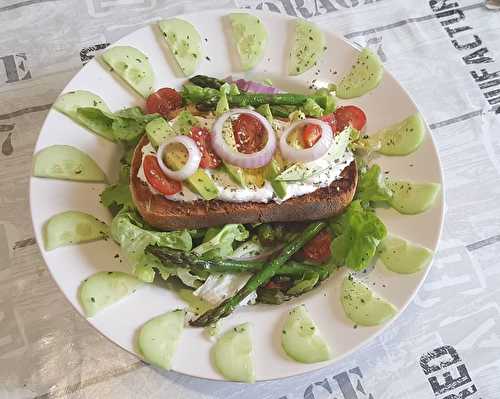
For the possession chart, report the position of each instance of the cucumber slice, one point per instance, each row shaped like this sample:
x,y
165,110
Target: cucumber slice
x,y
67,163
184,42
402,256
308,47
69,103
233,354
362,306
105,288
410,198
249,37
301,338
402,138
365,75
73,227
159,337
158,131
132,66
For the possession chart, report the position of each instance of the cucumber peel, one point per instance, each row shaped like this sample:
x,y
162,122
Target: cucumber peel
x,y
362,306
250,38
159,337
132,66
308,47
402,256
105,288
73,227
403,138
184,42
411,198
301,339
67,163
232,354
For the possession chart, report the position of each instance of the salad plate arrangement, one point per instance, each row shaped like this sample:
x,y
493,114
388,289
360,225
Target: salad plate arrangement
x,y
253,193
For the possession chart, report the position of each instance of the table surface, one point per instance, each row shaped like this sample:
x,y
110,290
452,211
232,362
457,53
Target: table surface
x,y
445,345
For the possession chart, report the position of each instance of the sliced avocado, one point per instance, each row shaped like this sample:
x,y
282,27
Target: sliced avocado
x,y
250,38
307,48
265,110
158,131
255,177
184,42
132,66
365,75
199,182
236,173
273,169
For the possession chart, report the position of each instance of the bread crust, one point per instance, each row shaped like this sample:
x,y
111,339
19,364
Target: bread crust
x,y
166,215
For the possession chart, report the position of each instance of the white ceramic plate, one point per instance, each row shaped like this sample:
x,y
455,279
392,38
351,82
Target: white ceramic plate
x,y
69,266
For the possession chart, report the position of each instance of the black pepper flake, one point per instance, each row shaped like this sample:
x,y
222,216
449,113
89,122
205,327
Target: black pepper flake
x,y
92,299
208,58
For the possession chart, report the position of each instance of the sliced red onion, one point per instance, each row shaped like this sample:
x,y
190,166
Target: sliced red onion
x,y
192,163
228,154
319,149
252,86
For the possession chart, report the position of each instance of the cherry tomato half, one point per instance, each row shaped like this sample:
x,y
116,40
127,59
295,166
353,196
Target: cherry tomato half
x,y
350,114
209,160
163,101
312,133
249,134
318,249
156,177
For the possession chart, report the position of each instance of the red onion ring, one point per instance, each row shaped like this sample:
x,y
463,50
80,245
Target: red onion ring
x,y
251,161
192,163
319,149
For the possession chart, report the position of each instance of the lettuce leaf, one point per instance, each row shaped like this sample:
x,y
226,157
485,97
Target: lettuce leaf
x,y
131,234
126,125
196,94
372,187
357,232
218,242
311,108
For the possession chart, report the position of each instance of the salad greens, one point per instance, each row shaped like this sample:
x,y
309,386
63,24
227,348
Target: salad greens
x,y
132,235
218,241
372,186
357,232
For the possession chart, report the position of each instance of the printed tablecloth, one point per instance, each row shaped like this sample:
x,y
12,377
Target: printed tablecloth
x,y
446,53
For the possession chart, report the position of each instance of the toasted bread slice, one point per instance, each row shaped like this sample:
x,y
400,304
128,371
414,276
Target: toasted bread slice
x,y
165,214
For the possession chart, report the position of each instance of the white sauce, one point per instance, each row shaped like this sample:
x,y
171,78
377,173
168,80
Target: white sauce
x,y
229,191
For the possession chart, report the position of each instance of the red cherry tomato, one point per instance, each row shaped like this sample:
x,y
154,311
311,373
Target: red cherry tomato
x,y
156,177
163,101
350,114
318,249
312,133
248,134
209,160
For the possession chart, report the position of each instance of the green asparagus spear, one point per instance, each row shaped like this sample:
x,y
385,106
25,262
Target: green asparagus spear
x,y
207,81
261,278
207,95
188,260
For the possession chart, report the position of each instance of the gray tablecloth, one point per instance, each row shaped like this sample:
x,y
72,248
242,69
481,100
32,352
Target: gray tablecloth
x,y
445,345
